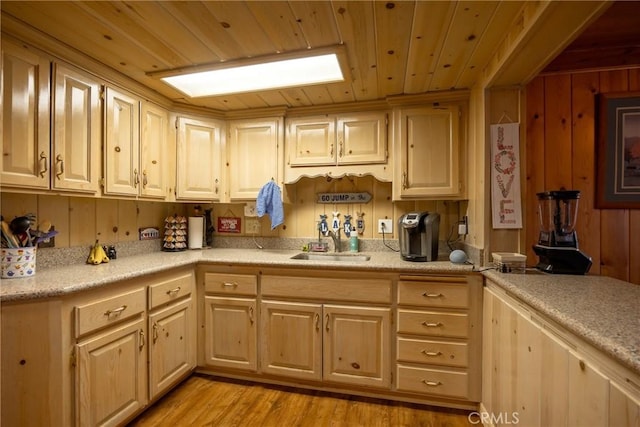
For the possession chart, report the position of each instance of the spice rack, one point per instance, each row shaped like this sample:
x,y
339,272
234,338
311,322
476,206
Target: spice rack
x,y
175,234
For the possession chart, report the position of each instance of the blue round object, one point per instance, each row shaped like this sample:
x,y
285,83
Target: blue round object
x,y
458,257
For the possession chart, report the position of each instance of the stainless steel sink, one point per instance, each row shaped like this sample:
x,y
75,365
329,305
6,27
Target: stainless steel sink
x,y
331,257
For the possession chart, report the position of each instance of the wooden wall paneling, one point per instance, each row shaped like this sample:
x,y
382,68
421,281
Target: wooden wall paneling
x,y
82,221
306,218
634,215
107,224
14,204
56,210
127,221
533,159
557,158
150,214
367,183
584,87
614,224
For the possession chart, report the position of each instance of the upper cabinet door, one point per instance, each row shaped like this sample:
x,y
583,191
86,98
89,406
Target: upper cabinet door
x,y
255,153
362,138
76,130
312,141
122,143
429,140
25,118
199,160
153,154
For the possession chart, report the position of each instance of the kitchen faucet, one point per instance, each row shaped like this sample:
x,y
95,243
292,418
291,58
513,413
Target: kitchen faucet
x,y
335,236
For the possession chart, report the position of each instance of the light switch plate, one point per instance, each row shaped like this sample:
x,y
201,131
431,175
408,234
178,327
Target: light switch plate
x,y
252,226
250,209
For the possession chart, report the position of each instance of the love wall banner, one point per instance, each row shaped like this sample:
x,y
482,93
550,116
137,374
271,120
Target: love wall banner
x,y
506,199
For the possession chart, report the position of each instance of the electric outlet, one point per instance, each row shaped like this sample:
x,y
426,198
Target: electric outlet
x,y
253,226
387,224
463,226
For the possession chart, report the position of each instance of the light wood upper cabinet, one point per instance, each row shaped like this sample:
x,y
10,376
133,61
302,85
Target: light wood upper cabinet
x,y
25,118
154,162
76,130
354,143
136,139
199,160
427,142
255,149
312,141
122,143
362,138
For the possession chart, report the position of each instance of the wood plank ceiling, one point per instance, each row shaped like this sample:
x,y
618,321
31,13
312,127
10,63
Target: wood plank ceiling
x,y
393,47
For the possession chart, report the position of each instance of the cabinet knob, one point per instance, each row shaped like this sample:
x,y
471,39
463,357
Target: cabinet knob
x,y
117,149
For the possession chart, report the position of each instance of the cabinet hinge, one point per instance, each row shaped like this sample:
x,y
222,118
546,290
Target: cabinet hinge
x,y
102,93
391,377
391,318
176,123
101,182
73,359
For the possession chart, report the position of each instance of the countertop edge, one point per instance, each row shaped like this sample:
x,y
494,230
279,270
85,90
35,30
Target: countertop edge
x,y
626,356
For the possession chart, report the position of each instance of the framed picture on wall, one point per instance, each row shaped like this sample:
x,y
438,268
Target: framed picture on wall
x,y
618,151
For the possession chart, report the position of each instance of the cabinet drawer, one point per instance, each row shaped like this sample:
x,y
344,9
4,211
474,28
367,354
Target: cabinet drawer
x,y
433,352
433,294
433,323
433,381
328,289
98,314
170,290
231,284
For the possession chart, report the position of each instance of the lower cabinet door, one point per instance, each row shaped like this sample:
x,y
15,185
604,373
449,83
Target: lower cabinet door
x,y
356,345
292,339
111,375
231,333
171,346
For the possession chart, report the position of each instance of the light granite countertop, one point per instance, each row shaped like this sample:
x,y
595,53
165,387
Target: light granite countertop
x,y
54,282
603,311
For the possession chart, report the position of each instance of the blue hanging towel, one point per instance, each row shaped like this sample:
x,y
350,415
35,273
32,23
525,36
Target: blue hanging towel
x,y
269,201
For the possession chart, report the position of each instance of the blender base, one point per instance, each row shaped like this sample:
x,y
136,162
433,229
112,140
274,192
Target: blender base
x,y
561,260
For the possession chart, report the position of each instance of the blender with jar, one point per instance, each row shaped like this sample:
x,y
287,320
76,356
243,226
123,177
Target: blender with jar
x,y
557,246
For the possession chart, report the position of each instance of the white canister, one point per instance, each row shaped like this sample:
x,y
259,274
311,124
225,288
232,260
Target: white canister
x,y
195,232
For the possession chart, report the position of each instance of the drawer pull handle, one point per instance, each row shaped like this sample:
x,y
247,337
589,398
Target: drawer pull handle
x,y
326,316
43,162
431,353
431,325
230,285
173,291
251,315
115,311
432,383
432,295
155,332
142,342
317,321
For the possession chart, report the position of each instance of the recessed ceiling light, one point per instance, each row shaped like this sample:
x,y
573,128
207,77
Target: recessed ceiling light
x,y
308,67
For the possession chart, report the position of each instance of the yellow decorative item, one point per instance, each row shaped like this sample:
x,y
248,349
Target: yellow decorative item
x,y
97,255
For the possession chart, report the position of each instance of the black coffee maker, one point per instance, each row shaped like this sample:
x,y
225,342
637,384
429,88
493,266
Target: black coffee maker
x,y
557,245
418,234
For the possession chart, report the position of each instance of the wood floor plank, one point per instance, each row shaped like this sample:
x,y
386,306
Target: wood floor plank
x,y
202,400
